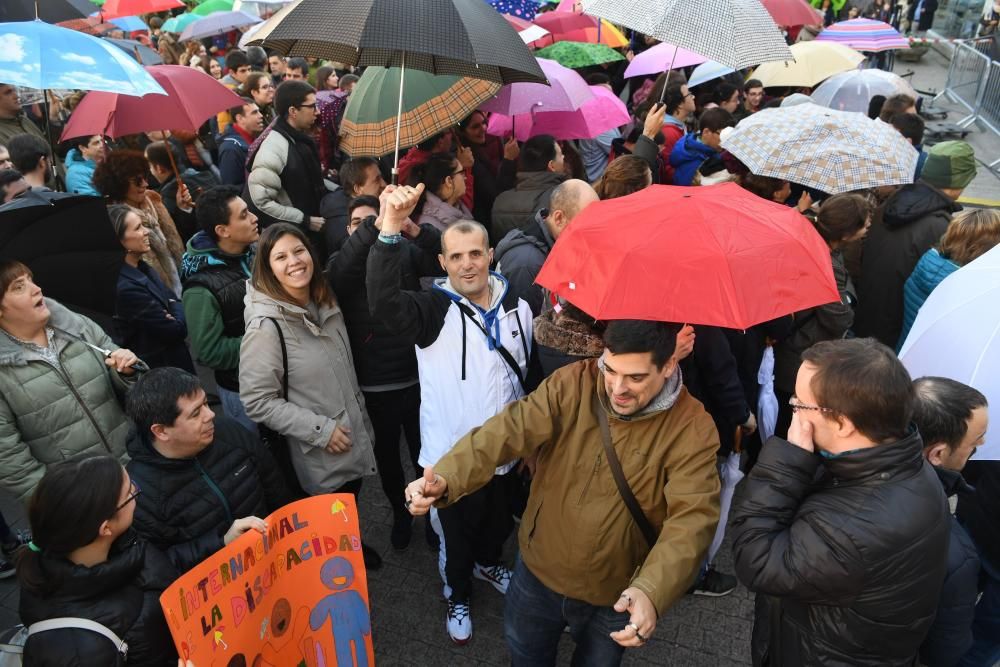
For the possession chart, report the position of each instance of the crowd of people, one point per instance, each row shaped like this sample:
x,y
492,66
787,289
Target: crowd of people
x,y
345,329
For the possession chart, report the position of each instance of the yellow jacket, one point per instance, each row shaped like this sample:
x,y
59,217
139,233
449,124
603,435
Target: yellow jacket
x,y
577,535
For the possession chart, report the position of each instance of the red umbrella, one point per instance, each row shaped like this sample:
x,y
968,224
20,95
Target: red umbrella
x,y
715,255
112,9
788,13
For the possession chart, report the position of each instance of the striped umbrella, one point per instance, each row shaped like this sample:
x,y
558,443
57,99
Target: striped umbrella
x,y
864,35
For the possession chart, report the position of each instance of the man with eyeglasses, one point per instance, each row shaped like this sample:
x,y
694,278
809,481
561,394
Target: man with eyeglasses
x,y
205,479
842,530
286,180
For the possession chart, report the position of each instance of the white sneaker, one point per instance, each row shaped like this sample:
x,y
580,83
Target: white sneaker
x,y
497,575
459,622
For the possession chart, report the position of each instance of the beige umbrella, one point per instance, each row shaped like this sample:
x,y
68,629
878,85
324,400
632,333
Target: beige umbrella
x,y
814,62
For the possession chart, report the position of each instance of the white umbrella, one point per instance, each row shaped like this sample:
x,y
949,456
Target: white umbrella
x,y
957,335
853,91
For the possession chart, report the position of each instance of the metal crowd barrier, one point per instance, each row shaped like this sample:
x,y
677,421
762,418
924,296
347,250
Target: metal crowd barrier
x,y
974,83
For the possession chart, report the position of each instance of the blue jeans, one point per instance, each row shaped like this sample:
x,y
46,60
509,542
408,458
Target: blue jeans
x,y
233,408
985,651
535,616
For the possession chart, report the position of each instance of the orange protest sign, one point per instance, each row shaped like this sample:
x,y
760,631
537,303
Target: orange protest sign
x,y
297,596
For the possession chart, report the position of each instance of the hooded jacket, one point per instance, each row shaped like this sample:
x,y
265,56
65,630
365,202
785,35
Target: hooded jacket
x,y
927,274
80,174
187,505
233,150
323,390
214,287
519,257
50,414
909,223
577,536
464,379
847,554
515,209
687,156
122,594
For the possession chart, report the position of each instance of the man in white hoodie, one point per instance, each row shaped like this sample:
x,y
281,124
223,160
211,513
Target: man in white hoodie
x,y
473,341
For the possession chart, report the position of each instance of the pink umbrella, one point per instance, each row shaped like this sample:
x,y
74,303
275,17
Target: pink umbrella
x,y
603,112
662,57
566,92
526,30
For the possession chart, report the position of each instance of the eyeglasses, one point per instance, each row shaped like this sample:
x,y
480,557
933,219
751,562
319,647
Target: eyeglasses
x,y
134,492
266,86
306,106
460,172
796,406
138,181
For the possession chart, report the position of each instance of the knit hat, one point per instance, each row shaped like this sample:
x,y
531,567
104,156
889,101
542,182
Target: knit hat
x,y
950,164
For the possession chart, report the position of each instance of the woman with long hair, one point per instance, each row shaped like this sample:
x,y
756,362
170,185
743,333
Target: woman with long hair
x,y
84,561
322,415
626,174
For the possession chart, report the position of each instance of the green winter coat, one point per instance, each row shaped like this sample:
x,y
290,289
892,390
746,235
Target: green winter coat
x,y
49,415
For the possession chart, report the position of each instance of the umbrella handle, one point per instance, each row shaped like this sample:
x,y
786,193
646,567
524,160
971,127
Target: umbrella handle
x,y
399,119
663,93
173,165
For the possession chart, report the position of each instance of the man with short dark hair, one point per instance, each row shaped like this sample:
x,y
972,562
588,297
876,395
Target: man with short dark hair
x,y
584,561
277,65
842,529
204,480
297,69
32,157
237,69
359,176
698,155
897,104
952,419
347,83
234,146
214,270
12,184
911,126
13,120
753,93
541,169
179,200
286,180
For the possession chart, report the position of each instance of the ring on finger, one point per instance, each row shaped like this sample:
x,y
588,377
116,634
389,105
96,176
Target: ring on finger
x,y
642,640
633,626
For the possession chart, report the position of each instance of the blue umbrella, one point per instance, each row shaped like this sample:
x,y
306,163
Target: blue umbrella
x,y
522,9
39,55
130,23
707,71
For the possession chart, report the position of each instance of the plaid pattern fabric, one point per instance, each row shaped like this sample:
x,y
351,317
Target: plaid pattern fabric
x,y
736,33
831,151
458,37
377,138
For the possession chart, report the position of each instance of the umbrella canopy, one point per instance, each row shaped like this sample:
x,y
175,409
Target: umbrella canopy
x,y
262,30
525,9
566,91
579,54
190,98
50,11
526,30
789,13
218,24
212,6
852,91
832,151
92,25
864,35
430,104
813,62
178,24
603,112
115,8
708,71
130,23
455,37
957,335
39,55
737,33
577,27
662,57
715,255
142,53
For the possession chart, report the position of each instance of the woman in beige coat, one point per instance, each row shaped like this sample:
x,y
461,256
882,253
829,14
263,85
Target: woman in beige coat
x,y
323,416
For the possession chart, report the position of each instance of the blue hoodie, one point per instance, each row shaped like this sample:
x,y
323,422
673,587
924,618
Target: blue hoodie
x,y
687,156
80,174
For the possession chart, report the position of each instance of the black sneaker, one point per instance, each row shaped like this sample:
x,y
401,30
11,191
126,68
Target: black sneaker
x,y
21,538
714,584
402,532
6,569
372,560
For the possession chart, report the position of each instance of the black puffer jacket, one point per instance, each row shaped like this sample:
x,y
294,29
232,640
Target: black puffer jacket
x,y
847,555
381,357
909,224
123,594
187,505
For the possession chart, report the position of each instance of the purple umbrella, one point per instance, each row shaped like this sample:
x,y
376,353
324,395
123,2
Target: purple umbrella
x,y
218,24
603,112
566,92
661,58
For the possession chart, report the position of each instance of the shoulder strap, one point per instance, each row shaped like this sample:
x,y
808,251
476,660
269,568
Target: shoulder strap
x,y
67,622
498,346
284,359
616,471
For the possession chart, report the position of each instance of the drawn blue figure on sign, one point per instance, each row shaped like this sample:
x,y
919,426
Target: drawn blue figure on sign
x,y
347,611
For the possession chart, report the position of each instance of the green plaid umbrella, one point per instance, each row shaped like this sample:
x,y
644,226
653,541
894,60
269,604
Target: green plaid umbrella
x,y
579,54
212,6
431,103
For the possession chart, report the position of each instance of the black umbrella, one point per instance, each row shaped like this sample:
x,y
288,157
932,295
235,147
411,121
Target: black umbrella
x,y
50,11
69,244
138,50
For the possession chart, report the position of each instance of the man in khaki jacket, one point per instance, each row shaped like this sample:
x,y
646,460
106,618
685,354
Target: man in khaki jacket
x,y
584,561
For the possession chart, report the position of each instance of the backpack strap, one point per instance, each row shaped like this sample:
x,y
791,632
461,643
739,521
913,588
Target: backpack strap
x,y
284,359
67,622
